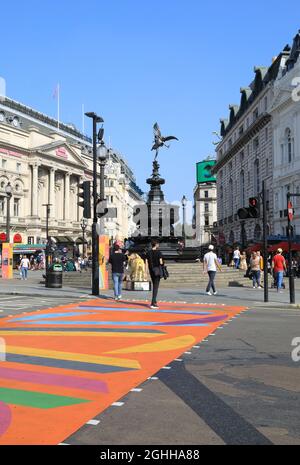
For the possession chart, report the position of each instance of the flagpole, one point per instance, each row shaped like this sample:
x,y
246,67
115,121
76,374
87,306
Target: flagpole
x,y
58,97
82,118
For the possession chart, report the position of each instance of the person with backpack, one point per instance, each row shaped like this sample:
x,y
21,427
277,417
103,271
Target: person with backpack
x,y
155,263
279,267
255,265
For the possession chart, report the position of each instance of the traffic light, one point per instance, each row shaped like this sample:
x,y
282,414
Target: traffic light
x,y
85,194
253,211
254,207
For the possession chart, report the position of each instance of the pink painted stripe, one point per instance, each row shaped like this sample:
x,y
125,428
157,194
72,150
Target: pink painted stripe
x,y
5,417
54,380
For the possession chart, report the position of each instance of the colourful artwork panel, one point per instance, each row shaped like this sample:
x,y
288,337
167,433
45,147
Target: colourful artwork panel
x,y
63,366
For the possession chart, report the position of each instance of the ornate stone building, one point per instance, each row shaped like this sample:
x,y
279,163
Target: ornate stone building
x,y
45,164
245,157
285,113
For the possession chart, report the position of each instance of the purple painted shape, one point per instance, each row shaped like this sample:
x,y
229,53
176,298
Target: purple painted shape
x,y
5,417
211,319
73,382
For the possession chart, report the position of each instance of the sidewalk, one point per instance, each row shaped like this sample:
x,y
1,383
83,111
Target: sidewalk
x,y
230,295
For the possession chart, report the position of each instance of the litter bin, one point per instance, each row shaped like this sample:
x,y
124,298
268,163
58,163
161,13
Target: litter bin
x,y
54,276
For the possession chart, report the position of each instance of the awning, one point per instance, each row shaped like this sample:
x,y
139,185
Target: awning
x,y
63,239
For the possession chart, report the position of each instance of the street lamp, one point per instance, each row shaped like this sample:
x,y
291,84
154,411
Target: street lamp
x,y
83,225
8,191
184,204
95,245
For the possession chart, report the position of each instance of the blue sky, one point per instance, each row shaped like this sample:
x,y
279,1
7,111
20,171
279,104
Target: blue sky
x,y
135,62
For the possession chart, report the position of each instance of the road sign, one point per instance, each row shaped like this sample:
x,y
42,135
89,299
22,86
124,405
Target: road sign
x,y
290,211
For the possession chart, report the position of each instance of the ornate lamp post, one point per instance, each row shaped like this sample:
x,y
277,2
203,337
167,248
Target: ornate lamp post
x,y
83,225
8,191
184,204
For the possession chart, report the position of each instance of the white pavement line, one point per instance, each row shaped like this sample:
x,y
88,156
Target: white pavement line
x,y
196,347
153,378
166,368
178,359
188,353
136,390
93,422
63,444
117,404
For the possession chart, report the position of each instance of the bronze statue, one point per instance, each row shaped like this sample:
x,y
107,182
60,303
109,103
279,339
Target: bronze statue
x,y
159,140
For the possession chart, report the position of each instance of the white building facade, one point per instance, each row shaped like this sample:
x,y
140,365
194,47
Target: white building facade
x,y
286,132
45,165
245,158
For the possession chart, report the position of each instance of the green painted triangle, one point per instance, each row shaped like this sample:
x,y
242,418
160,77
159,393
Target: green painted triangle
x,y
37,399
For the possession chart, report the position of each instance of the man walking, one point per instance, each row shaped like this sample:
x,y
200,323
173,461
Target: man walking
x,y
237,258
25,264
279,266
210,265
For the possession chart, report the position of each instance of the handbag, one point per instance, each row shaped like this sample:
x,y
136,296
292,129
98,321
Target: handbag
x,y
165,272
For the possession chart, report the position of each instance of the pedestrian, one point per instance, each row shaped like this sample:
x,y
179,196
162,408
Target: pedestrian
x,y
155,262
243,265
255,270
237,258
117,260
279,266
210,265
25,265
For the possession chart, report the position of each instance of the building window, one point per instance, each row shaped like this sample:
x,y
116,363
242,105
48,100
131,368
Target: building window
x,y
206,194
256,144
4,163
2,205
231,196
266,104
266,134
16,207
206,220
206,208
267,167
242,185
255,114
242,157
18,167
256,177
30,240
241,130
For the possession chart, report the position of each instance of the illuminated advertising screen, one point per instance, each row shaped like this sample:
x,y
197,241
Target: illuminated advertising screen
x,y
204,171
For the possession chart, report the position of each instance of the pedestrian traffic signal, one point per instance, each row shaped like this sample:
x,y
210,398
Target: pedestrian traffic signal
x,y
253,211
254,207
85,194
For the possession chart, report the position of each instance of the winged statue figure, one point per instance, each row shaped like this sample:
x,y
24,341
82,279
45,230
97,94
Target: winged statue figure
x,y
159,140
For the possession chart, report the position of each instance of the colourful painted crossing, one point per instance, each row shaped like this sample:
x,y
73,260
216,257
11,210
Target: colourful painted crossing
x,y
65,365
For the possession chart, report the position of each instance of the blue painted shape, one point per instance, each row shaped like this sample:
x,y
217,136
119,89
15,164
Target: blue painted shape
x,y
49,315
135,310
111,323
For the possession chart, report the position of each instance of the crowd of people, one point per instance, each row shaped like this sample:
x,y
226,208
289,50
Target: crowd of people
x,y
253,265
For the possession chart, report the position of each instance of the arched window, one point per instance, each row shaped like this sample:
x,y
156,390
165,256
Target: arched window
x,y
230,196
256,177
257,232
231,238
289,143
242,188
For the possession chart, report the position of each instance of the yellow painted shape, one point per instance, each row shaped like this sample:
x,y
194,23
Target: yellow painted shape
x,y
73,356
77,333
158,346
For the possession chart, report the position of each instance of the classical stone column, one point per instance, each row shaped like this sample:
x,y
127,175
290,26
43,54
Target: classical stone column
x,y
52,192
67,197
34,190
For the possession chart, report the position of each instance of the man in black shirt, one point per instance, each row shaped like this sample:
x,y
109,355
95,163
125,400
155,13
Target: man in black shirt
x,y
155,262
117,260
